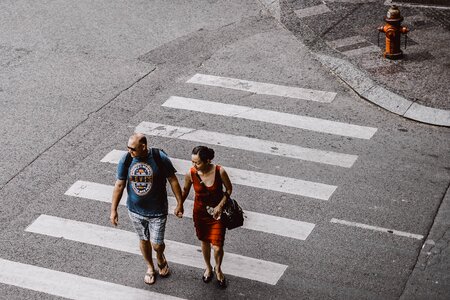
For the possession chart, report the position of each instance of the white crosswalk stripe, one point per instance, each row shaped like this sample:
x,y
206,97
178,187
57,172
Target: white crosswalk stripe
x,y
282,184
68,285
246,143
263,88
245,112
180,253
254,221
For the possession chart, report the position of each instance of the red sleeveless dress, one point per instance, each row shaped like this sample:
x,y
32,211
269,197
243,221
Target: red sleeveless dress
x,y
206,227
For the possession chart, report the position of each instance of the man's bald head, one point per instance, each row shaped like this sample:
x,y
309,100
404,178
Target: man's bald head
x,y
139,138
137,145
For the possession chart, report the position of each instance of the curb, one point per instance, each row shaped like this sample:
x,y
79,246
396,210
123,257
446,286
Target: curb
x,y
366,88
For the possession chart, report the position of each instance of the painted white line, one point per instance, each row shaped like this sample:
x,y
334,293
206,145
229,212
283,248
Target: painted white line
x,y
268,116
265,181
68,285
375,228
263,88
248,144
121,240
312,11
352,40
363,50
254,221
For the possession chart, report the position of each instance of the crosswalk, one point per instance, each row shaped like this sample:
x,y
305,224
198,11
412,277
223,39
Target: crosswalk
x,y
263,88
254,179
235,264
254,221
62,284
268,116
247,143
180,253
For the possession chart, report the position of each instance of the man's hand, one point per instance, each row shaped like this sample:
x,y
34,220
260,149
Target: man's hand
x,y
114,218
179,210
119,186
176,189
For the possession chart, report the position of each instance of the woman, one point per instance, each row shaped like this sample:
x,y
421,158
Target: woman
x,y
208,180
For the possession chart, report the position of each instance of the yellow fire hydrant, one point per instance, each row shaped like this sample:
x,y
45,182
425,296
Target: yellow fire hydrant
x,y
393,31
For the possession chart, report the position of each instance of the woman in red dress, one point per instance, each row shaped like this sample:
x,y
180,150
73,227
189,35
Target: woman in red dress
x,y
209,201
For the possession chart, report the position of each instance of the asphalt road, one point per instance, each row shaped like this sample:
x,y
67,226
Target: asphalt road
x,y
78,78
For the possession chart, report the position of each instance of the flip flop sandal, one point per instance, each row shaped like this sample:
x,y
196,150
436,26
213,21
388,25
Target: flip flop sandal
x,y
205,278
222,284
152,278
162,266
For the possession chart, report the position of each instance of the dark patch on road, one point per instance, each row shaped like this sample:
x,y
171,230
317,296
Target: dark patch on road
x,y
426,2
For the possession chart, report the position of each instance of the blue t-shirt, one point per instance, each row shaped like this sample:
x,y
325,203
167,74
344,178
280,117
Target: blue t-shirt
x,y
146,184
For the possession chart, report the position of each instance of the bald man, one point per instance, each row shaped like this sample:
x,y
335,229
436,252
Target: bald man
x,y
144,173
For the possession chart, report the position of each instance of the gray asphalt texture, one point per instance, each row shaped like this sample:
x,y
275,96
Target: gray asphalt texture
x,y
76,79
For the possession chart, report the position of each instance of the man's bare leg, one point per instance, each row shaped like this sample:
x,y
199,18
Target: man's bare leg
x,y
161,259
146,250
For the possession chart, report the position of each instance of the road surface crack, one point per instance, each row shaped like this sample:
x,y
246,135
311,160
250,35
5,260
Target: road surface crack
x,y
76,126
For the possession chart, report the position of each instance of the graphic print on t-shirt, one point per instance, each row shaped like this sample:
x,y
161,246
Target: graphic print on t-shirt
x,y
141,178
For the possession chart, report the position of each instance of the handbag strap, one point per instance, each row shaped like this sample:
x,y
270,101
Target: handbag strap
x,y
206,188
202,183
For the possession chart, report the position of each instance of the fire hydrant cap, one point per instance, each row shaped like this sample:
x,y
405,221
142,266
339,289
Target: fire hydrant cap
x,y
393,14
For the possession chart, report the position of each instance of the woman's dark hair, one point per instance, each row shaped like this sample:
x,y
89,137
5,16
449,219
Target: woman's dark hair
x,y
203,152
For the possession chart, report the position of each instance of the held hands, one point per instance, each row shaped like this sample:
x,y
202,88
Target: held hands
x,y
179,210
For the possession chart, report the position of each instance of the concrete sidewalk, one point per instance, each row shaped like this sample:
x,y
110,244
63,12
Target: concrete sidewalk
x,y
430,278
343,36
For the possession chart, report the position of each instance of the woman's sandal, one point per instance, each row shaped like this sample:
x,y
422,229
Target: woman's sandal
x,y
207,279
221,283
151,279
164,266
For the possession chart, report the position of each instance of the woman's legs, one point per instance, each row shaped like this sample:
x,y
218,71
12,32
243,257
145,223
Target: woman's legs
x,y
206,250
218,257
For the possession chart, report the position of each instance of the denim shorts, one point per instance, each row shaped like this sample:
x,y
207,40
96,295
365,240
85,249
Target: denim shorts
x,y
149,228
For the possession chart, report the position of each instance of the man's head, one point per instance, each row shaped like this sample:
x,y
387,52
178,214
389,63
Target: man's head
x,y
137,145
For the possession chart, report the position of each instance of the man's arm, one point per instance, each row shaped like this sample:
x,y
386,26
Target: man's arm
x,y
176,189
119,186
187,185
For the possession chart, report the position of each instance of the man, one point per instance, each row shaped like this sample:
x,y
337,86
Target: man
x,y
147,199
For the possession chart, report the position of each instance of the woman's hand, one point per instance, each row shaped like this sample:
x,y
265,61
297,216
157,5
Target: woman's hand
x,y
179,210
217,212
